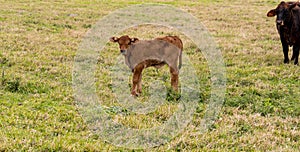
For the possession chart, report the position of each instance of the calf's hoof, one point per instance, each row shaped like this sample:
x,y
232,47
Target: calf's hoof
x,y
134,93
139,91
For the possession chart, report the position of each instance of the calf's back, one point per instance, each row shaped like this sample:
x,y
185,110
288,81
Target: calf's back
x,y
153,51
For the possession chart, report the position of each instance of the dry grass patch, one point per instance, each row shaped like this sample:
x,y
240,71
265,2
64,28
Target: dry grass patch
x,y
38,42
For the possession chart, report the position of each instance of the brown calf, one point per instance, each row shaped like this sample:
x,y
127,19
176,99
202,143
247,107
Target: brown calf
x,y
156,53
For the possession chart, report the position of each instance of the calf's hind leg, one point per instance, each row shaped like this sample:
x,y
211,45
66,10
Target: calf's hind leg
x,y
174,78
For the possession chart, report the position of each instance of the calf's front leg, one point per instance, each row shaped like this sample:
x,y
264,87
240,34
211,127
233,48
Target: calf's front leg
x,y
136,80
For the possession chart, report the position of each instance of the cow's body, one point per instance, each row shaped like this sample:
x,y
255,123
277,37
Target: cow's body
x,y
142,54
288,26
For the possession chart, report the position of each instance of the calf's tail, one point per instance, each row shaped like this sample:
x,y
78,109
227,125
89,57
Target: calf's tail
x,y
180,60
180,54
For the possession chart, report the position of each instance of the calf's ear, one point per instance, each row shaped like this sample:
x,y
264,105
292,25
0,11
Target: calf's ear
x,y
114,39
133,40
271,13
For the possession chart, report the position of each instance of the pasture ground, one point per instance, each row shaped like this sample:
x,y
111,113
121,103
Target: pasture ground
x,y
38,42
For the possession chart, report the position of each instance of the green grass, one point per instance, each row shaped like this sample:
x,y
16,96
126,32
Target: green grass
x,y
38,43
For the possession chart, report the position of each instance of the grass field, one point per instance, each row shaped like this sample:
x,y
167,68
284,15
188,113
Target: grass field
x,y
38,43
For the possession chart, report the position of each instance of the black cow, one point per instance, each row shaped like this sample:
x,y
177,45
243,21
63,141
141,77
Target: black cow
x,y
288,26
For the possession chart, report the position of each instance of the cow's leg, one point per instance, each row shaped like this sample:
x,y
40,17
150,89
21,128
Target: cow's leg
x,y
137,74
285,48
296,53
293,55
174,78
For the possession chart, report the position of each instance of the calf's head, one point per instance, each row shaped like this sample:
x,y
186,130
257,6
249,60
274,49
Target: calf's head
x,y
124,42
282,11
